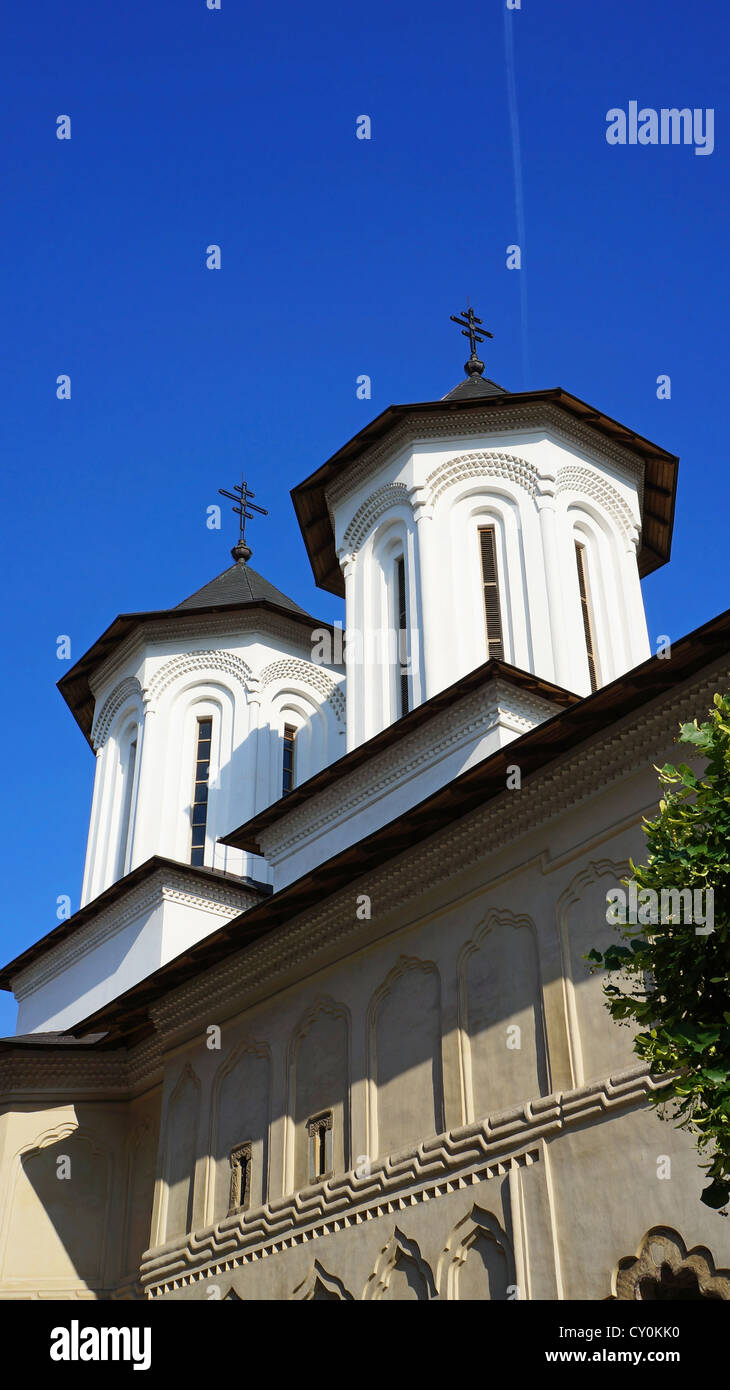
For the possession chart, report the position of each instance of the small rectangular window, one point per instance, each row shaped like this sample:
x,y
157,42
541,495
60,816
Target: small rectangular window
x,y
490,583
585,606
287,773
199,813
319,1129
240,1191
402,614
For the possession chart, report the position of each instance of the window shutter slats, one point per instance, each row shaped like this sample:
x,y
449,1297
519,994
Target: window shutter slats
x,y
580,557
490,582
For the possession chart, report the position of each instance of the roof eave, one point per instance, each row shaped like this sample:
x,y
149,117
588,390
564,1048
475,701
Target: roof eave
x,y
245,836
75,685
117,890
309,496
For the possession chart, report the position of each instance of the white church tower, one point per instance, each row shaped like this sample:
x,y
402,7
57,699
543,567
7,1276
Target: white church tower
x,y
199,716
487,525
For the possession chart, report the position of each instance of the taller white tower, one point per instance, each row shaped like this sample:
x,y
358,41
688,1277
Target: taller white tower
x,y
489,524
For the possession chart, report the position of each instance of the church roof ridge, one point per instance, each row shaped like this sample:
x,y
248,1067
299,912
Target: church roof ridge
x,y
239,584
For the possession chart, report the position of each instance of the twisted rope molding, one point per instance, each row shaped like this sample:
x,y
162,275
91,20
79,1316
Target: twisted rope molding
x,y
293,668
573,478
390,495
483,463
127,689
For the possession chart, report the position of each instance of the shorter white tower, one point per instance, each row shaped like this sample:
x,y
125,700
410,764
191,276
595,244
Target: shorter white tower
x,y
200,716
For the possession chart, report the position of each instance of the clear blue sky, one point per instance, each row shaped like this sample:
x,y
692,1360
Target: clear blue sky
x,y
339,257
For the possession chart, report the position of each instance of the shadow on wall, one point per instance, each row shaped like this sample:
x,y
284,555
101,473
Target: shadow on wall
x,y
426,1069
79,1207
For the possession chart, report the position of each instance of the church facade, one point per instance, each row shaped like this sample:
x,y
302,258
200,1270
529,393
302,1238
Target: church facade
x,y
322,1026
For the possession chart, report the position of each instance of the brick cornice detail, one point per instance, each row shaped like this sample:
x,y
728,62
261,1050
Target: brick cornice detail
x,y
456,1159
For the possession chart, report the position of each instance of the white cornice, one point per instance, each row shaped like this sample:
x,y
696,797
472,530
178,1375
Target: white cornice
x,y
222,899
420,428
204,626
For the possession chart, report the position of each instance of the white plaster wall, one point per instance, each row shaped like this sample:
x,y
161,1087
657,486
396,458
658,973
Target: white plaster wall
x,y
541,494
400,777
250,683
125,944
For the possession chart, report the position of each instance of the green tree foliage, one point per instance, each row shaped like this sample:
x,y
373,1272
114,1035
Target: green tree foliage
x,y
669,978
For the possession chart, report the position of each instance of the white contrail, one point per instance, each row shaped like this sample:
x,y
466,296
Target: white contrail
x,y
509,58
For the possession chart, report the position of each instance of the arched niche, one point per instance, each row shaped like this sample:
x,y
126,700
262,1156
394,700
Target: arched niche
x,y
501,1017
59,1209
477,1263
321,1286
401,1274
511,513
318,1066
179,713
181,1137
597,1047
375,630
119,737
404,1047
240,1114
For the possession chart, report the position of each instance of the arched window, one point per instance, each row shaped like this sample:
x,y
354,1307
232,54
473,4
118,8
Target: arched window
x,y
128,765
400,627
490,585
586,608
287,762
593,552
199,803
298,728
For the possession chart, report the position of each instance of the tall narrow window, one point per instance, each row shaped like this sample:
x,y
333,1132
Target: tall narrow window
x,y
240,1191
200,791
402,616
585,605
125,824
490,583
287,770
320,1146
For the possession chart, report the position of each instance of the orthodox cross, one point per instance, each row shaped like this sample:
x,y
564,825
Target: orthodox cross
x,y
473,329
244,508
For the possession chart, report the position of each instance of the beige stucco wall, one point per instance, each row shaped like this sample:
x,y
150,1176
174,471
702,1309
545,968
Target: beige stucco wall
x,y
77,1188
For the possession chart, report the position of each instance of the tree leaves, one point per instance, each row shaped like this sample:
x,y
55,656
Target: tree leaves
x,y
673,982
